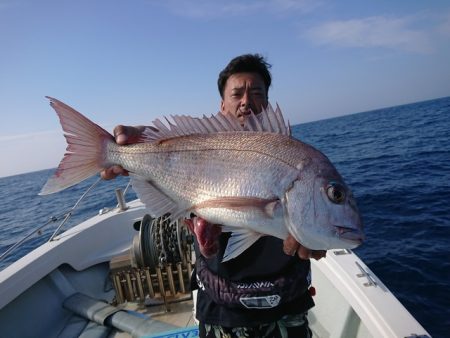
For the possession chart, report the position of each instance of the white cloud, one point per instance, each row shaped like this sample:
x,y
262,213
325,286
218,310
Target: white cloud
x,y
444,26
208,9
376,31
29,152
28,136
6,4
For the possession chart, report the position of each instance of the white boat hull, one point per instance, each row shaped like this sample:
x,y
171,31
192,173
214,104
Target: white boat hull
x,y
350,301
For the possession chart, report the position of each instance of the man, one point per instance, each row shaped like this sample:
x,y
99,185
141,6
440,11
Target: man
x,y
264,291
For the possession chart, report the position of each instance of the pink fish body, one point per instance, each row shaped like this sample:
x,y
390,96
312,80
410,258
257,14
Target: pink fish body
x,y
254,179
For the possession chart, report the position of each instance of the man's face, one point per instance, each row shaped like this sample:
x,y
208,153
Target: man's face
x,y
244,92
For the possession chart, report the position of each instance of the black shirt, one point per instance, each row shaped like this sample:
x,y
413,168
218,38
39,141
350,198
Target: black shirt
x,y
263,261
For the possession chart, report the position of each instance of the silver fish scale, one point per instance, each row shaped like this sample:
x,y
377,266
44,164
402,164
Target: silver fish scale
x,y
203,172
196,168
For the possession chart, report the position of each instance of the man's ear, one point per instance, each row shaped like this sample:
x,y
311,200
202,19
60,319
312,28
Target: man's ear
x,y
222,106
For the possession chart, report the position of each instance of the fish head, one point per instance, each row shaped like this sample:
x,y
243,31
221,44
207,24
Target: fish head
x,y
321,212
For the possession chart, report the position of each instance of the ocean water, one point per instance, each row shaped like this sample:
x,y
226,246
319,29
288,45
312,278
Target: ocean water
x,y
397,162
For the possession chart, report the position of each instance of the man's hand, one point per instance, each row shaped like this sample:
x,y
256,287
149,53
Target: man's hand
x,y
207,235
291,246
123,135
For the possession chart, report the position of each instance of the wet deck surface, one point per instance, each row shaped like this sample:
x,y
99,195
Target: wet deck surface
x,y
180,314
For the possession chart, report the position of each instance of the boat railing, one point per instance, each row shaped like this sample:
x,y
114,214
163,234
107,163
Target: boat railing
x,y
69,213
65,218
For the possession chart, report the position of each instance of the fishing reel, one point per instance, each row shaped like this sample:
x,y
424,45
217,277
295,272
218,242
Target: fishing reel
x,y
159,266
160,242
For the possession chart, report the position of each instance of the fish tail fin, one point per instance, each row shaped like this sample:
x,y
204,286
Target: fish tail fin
x,y
85,152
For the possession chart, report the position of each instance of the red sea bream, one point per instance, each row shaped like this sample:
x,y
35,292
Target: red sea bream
x,y
254,179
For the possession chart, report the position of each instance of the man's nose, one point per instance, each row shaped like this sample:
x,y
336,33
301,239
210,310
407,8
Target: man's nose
x,y
245,100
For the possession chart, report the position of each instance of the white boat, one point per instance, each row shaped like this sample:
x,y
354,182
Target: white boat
x,y
104,278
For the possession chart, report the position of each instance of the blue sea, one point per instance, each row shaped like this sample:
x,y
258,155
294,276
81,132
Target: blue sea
x,y
397,162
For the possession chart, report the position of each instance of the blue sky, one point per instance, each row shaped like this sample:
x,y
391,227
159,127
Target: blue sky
x,y
130,62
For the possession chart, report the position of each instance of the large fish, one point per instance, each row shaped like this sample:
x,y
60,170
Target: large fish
x,y
254,179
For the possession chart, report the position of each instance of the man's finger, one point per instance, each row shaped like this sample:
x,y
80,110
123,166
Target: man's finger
x,y
304,253
127,134
190,224
112,172
318,254
290,246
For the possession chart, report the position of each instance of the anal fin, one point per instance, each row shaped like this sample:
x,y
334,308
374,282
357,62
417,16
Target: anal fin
x,y
240,240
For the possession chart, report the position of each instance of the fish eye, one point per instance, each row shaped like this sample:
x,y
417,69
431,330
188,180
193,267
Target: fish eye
x,y
336,193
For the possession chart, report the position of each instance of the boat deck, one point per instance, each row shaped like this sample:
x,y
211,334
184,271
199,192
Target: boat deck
x,y
179,319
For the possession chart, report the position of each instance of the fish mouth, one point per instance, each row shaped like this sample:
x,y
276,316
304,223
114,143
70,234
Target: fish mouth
x,y
350,234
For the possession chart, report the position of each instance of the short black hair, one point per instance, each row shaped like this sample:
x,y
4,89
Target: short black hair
x,y
247,63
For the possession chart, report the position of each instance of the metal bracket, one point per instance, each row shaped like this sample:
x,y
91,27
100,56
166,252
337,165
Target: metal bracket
x,y
370,280
342,252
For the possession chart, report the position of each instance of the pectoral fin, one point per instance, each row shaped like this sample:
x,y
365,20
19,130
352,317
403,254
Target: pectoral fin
x,y
266,206
240,240
156,201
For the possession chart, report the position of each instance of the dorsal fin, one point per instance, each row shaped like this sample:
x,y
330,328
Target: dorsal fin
x,y
268,120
